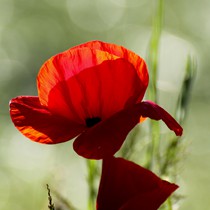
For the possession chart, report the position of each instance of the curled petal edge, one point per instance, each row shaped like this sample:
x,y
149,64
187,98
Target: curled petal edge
x,y
38,124
106,137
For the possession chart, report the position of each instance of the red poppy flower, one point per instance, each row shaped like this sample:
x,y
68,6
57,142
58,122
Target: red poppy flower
x,y
92,91
125,185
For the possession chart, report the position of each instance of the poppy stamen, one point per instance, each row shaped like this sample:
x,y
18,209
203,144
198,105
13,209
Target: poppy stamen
x,y
90,122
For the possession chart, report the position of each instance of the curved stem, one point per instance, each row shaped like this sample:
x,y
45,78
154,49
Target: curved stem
x,y
92,173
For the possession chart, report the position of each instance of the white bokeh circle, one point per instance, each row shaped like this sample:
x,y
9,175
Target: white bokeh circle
x,y
94,15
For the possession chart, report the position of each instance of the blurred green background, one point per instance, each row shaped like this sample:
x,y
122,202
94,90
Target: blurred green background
x,y
31,31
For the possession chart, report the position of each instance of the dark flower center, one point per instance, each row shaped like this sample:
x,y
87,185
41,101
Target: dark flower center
x,y
90,122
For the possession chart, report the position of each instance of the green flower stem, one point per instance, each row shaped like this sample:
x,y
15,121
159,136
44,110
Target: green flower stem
x,y
153,150
92,175
169,204
153,51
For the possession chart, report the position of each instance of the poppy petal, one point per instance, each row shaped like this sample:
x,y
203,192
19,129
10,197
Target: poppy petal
x,y
155,112
82,80
150,200
124,53
105,138
125,185
98,91
58,85
38,124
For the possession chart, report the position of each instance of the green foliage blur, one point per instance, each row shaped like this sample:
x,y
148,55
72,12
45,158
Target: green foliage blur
x,y
31,31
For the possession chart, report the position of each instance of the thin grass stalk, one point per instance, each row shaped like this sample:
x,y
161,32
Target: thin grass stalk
x,y
185,93
153,51
153,149
51,204
169,203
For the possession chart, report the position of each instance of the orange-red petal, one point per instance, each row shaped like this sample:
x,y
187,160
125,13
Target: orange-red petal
x,y
105,138
125,185
86,81
38,124
124,53
155,112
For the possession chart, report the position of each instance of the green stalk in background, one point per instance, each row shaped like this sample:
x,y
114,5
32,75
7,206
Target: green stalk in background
x,y
184,97
174,148
153,51
152,62
91,179
152,153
